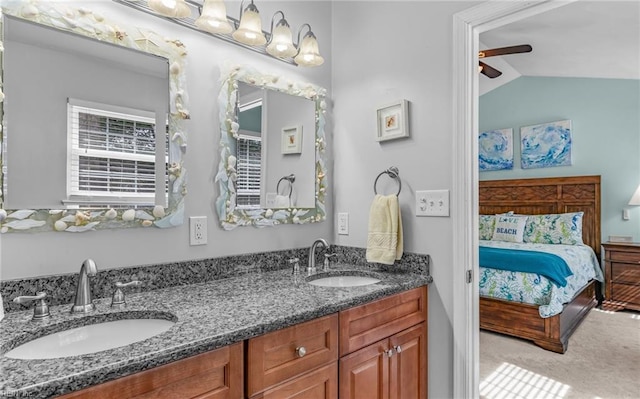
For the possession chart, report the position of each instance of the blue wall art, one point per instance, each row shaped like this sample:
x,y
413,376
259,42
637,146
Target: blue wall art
x,y
546,145
495,150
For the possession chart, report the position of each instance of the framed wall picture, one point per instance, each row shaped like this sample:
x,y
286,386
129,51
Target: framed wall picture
x,y
546,145
495,150
292,140
393,121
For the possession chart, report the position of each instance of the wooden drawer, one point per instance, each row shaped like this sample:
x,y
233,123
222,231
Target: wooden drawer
x,y
212,375
318,384
363,325
273,358
625,273
629,294
622,256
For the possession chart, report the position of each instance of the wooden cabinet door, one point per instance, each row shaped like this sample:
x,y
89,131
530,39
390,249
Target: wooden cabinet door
x,y
212,375
365,324
318,384
365,374
408,364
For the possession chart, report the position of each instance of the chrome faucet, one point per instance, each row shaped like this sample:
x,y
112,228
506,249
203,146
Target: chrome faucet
x,y
84,301
311,268
41,309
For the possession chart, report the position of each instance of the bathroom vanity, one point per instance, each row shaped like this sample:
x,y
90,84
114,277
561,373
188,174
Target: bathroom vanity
x,y
261,335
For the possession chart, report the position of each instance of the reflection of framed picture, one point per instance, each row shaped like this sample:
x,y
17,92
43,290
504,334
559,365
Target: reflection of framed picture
x,y
292,140
393,121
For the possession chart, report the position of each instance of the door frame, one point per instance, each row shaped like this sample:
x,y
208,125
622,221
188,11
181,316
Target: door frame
x,y
467,26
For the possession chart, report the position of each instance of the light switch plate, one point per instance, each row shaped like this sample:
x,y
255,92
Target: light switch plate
x,y
432,203
343,223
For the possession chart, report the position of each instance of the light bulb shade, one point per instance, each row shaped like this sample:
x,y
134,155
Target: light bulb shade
x,y
281,44
214,17
635,198
170,8
308,53
250,29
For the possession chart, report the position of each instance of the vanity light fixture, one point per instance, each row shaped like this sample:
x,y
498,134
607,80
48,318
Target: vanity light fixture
x,y
308,52
245,32
250,29
213,18
281,42
170,8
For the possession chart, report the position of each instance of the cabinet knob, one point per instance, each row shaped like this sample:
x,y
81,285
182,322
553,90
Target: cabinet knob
x,y
389,352
398,348
301,351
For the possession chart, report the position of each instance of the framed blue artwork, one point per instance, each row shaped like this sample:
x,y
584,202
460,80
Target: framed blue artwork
x,y
495,150
546,145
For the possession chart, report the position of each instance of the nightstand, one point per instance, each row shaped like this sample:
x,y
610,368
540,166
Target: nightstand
x,y
622,275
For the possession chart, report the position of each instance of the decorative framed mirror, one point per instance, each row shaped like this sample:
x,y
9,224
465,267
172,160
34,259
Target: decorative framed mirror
x,y
93,118
272,166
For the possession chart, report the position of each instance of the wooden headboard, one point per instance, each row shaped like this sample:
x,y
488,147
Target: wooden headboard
x,y
547,195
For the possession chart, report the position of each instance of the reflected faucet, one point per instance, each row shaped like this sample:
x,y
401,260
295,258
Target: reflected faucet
x,y
84,300
311,268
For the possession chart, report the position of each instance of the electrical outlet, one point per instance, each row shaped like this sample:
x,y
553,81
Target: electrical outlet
x,y
343,223
197,230
432,203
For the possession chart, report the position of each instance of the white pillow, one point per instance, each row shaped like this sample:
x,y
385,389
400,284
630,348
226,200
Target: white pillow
x,y
509,228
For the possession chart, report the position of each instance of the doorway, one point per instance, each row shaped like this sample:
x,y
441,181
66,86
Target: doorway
x,y
467,26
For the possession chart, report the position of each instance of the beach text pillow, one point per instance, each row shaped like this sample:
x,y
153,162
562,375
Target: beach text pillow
x,y
509,228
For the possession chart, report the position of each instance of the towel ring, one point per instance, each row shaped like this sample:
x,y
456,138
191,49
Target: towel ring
x,y
394,174
291,178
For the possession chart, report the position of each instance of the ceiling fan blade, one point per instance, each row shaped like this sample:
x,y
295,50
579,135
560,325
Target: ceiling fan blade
x,y
489,71
522,48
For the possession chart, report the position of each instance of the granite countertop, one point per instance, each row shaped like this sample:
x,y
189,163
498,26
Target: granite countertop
x,y
208,316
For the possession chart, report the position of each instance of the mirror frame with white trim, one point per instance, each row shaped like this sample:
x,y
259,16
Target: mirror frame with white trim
x,y
229,215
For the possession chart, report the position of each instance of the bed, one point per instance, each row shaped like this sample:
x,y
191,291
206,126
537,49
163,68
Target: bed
x,y
544,196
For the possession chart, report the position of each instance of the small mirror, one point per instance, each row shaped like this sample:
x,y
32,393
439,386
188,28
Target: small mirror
x,y
92,119
272,169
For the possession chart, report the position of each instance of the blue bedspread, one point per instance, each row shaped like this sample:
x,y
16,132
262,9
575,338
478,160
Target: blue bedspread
x,y
548,265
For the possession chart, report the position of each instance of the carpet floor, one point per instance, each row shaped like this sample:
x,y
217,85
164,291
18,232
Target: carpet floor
x,y
602,361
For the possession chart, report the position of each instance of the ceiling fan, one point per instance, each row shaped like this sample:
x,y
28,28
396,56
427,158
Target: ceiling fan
x,y
491,72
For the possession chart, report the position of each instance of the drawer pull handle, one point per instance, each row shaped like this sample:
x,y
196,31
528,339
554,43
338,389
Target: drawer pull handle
x,y
398,348
301,351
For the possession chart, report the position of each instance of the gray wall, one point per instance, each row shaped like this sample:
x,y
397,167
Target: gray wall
x,y
383,52
605,122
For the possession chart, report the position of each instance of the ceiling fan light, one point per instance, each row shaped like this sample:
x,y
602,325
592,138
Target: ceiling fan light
x,y
170,8
281,45
250,29
214,18
308,52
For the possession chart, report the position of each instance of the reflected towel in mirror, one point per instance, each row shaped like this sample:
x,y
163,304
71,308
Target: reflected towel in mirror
x,y
282,201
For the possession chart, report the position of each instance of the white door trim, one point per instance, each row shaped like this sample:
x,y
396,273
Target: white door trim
x,y
467,25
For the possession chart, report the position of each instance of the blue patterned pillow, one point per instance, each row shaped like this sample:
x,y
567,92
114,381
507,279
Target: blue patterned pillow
x,y
562,228
509,228
486,225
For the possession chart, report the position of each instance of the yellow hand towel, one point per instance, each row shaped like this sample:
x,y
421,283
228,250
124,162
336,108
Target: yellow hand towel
x,y
384,241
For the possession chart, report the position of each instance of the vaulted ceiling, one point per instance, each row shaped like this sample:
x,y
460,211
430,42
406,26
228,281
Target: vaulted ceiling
x,y
594,39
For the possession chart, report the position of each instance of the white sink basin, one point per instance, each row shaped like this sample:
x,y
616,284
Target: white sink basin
x,y
344,281
90,339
